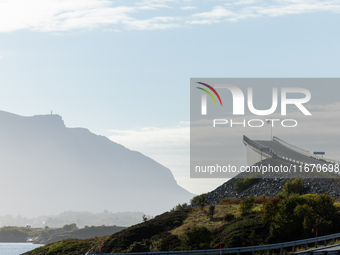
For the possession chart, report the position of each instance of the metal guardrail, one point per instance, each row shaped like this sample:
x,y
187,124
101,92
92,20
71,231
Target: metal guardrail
x,y
252,249
304,152
257,147
291,147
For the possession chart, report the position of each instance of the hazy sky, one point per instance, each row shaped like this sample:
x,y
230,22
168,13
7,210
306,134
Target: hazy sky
x,y
122,68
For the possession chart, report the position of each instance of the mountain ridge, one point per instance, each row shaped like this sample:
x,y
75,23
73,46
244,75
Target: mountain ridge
x,y
46,161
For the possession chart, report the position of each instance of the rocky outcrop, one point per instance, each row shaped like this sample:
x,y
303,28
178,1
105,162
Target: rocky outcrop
x,y
270,184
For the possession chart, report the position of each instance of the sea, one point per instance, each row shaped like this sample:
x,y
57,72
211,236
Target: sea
x,y
17,248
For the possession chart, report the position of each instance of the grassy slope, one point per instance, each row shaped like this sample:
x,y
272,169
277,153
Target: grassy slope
x,y
167,232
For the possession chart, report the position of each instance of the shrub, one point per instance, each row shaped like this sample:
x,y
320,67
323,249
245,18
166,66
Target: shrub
x,y
294,186
246,205
198,238
229,201
228,217
270,208
211,211
299,216
199,200
70,227
138,247
180,207
241,184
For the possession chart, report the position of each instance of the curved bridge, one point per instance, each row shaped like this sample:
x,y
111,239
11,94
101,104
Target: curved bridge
x,y
258,150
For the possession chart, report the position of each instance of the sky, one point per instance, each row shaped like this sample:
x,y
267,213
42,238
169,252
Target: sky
x,y
122,68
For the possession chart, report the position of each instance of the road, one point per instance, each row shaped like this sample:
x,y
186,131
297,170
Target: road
x,y
283,151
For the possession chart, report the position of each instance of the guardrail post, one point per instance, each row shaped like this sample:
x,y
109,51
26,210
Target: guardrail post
x,y
316,244
281,250
305,246
238,253
253,253
325,243
267,252
333,241
293,250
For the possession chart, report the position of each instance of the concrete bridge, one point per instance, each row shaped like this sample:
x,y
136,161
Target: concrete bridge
x,y
258,150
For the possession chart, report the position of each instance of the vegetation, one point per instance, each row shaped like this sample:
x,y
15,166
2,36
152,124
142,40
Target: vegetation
x,y
198,238
243,183
199,200
246,205
211,211
294,186
233,223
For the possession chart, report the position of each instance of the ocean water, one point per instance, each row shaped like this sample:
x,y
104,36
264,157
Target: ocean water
x,y
16,248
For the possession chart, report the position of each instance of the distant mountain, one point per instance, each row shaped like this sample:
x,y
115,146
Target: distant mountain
x,y
47,168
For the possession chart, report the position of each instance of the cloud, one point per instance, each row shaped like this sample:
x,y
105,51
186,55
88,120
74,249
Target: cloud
x,y
185,8
69,15
253,9
7,54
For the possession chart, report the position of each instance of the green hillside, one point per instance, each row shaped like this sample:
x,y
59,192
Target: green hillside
x,y
232,223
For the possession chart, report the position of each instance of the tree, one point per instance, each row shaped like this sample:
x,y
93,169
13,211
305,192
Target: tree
x,y
199,200
294,186
70,227
145,219
198,238
246,205
211,211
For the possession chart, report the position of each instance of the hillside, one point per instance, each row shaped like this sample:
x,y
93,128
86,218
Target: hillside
x,y
49,235
271,184
47,168
188,229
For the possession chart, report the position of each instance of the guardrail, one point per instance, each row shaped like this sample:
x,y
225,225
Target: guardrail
x,y
304,152
257,147
251,249
291,147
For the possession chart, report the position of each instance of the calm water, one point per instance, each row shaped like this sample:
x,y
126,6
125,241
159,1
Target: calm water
x,y
16,248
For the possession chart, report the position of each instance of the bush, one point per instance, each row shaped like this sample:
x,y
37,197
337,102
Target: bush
x,y
211,211
299,216
229,201
198,238
241,184
246,205
294,186
180,207
228,217
70,227
199,200
138,247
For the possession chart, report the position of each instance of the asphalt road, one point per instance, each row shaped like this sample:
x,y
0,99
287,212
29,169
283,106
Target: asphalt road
x,y
283,151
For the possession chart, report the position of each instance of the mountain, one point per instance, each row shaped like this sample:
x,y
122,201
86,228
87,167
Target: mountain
x,y
47,168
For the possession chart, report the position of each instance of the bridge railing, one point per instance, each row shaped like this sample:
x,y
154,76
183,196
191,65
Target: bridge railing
x,y
292,147
260,148
302,151
304,242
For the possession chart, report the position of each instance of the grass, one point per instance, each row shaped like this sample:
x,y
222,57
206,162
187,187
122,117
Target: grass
x,y
198,217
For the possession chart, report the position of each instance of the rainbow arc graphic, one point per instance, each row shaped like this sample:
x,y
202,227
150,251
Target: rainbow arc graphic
x,y
209,93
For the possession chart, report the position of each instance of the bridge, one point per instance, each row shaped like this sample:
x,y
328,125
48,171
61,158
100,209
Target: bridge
x,y
258,150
